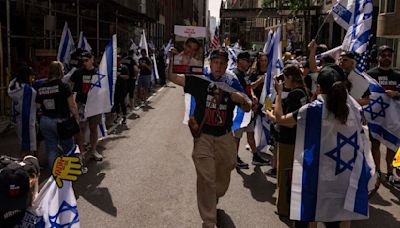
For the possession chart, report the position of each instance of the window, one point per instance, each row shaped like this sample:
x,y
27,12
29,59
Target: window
x,y
387,6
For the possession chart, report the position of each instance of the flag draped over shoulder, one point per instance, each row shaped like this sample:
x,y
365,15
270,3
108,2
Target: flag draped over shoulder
x,y
24,113
66,46
332,166
101,94
57,206
83,43
228,83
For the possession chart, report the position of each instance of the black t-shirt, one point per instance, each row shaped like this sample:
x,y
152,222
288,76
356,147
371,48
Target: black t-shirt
x,y
143,69
295,99
219,119
82,79
244,80
129,62
123,70
388,79
52,96
254,77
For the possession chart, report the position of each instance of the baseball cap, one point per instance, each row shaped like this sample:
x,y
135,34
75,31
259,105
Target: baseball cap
x,y
220,53
348,54
383,48
244,55
14,187
86,54
329,75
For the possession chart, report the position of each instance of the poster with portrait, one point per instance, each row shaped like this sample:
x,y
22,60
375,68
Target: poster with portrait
x,y
189,43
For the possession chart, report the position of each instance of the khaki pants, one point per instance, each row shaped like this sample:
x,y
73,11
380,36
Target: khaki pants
x,y
214,158
285,168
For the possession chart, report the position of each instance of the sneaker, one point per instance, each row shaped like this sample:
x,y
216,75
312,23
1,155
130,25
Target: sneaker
x,y
391,179
259,161
123,120
241,164
96,156
271,173
116,121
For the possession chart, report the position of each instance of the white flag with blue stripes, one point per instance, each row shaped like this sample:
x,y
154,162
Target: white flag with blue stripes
x,y
133,45
83,43
356,17
232,57
66,46
332,166
56,206
228,83
101,94
24,113
169,46
143,43
268,42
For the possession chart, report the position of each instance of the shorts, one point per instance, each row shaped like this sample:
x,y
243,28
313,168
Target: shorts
x,y
92,120
144,81
250,128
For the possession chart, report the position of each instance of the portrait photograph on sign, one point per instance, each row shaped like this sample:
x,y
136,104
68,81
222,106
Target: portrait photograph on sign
x,y
189,43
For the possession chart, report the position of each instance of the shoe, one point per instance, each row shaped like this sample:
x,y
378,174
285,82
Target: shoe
x,y
259,161
392,180
241,164
271,173
96,156
116,121
123,120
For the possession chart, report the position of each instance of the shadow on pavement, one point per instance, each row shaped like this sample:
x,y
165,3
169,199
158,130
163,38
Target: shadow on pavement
x,y
224,220
377,218
146,108
378,200
261,189
87,187
394,191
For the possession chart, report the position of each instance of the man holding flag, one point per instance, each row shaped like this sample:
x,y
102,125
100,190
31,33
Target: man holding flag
x,y
389,79
214,151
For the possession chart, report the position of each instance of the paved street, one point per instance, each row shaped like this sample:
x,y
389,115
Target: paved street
x,y
148,180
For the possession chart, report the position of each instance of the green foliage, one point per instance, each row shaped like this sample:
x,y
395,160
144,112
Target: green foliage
x,y
293,5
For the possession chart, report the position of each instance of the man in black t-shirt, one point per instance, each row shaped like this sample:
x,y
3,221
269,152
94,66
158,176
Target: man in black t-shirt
x,y
121,89
389,79
244,62
81,80
130,62
144,80
214,152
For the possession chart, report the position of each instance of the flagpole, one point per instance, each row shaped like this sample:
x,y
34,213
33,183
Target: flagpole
x,y
322,25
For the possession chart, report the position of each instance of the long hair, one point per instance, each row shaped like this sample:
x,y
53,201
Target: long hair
x,y
55,71
294,71
337,101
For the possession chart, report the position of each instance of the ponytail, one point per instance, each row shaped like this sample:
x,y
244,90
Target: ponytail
x,y
337,101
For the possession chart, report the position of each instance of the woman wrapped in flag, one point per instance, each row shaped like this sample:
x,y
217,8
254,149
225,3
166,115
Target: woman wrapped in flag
x,y
332,164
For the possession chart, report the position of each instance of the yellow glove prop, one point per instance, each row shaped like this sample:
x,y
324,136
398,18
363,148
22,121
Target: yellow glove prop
x,y
396,160
66,168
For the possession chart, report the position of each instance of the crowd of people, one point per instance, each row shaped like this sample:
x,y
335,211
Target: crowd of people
x,y
308,86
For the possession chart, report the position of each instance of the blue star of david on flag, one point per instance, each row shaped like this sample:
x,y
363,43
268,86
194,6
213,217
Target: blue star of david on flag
x,y
336,154
99,78
64,208
381,112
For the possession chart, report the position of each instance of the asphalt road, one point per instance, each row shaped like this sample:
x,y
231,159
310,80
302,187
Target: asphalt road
x,y
147,179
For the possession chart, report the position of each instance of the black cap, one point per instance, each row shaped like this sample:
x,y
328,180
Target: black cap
x,y
348,54
14,187
86,54
220,53
244,55
383,48
329,75
31,165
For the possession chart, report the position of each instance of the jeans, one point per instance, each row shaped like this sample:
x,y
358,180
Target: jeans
x,y
54,145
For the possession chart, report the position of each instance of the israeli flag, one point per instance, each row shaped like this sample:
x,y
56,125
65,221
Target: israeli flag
x,y
268,42
382,114
169,46
334,53
24,113
155,70
262,133
57,206
232,58
133,46
356,17
228,83
66,46
332,166
275,66
143,42
101,94
83,43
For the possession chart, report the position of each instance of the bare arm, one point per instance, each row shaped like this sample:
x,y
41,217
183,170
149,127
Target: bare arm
x,y
245,103
284,120
175,78
73,108
312,47
259,81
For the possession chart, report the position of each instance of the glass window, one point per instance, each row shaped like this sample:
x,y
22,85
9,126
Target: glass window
x,y
391,5
382,6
